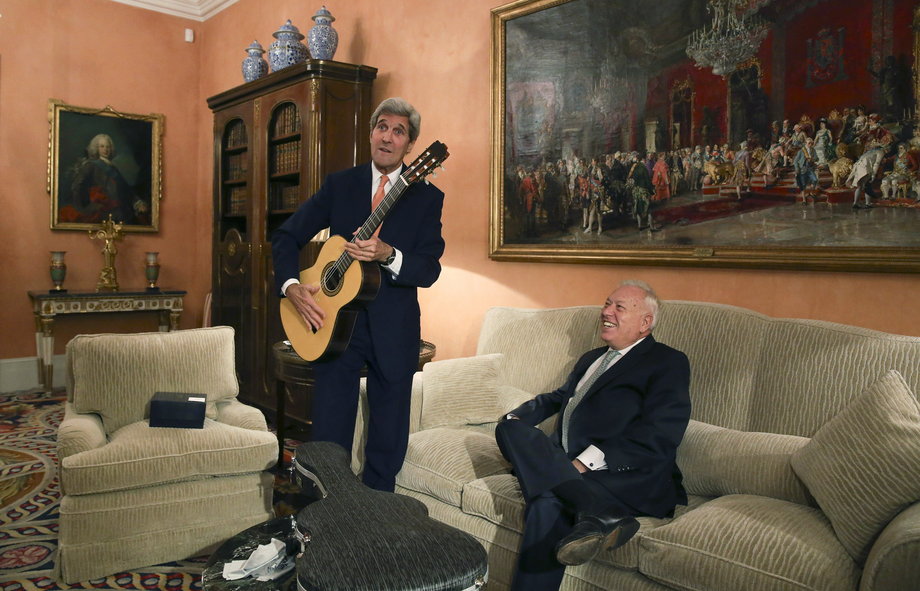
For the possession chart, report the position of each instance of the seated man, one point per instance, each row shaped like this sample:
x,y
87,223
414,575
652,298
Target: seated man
x,y
622,413
903,173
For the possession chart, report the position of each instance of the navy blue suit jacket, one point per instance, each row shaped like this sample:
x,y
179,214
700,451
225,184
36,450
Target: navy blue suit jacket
x,y
413,225
636,413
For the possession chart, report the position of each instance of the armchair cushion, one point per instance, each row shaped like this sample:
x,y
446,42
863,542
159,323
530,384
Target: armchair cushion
x,y
115,376
139,456
716,461
862,465
79,432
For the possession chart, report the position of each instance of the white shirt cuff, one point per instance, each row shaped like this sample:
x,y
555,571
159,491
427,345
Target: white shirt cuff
x,y
593,458
396,265
287,284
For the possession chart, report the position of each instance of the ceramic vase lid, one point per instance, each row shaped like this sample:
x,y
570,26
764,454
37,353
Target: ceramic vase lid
x,y
288,30
322,13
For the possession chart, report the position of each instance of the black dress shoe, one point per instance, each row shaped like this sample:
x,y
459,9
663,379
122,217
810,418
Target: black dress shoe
x,y
593,533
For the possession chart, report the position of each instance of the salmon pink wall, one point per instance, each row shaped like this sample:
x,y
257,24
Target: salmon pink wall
x,y
93,53
437,54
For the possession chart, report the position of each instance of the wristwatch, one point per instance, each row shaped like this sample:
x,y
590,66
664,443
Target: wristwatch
x,y
390,259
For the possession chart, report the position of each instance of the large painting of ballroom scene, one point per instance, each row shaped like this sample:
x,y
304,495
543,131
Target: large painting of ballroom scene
x,y
768,133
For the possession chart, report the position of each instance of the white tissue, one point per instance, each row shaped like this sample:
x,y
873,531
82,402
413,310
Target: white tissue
x,y
264,564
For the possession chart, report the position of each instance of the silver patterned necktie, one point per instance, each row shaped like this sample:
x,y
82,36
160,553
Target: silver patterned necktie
x,y
580,392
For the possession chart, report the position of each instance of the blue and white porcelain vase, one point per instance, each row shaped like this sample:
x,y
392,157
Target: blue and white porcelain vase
x,y
322,38
287,49
254,66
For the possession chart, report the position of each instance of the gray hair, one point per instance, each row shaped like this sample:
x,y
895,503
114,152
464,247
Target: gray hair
x,y
651,298
401,108
92,150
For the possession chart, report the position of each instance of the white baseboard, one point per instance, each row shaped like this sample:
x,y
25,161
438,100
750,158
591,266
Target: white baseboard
x,y
22,373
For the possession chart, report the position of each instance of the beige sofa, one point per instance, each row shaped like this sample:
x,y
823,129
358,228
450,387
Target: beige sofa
x,y
137,496
802,461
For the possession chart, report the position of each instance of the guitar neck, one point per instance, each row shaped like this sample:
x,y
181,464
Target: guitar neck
x,y
370,226
376,218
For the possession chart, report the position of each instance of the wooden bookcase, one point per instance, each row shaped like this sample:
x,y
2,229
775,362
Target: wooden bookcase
x,y
275,139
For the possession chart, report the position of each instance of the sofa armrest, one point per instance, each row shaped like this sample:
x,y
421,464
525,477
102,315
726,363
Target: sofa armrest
x,y
894,560
79,432
418,395
233,412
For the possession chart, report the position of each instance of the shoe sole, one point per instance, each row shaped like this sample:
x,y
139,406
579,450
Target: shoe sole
x,y
585,549
621,535
582,550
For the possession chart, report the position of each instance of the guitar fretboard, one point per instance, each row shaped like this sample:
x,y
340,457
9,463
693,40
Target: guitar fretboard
x,y
333,275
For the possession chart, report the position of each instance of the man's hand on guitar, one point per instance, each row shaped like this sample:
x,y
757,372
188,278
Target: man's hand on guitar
x,y
302,297
372,249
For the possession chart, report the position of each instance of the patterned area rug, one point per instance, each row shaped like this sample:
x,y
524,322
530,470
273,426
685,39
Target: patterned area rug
x,y
29,497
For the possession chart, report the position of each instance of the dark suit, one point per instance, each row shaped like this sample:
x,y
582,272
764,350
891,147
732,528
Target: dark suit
x,y
387,334
635,413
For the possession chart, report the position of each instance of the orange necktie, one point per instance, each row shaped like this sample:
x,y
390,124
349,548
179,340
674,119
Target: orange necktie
x,y
378,197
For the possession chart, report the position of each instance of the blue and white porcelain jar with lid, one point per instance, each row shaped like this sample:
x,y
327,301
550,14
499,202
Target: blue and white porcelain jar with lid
x,y
254,66
322,38
287,49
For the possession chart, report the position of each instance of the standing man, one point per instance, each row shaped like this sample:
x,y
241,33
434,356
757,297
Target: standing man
x,y
696,169
876,142
806,164
622,413
386,335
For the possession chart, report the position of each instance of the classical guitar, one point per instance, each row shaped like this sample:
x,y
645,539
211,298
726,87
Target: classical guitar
x,y
345,288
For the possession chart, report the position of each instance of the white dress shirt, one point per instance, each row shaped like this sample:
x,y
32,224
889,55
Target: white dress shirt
x,y
592,457
396,265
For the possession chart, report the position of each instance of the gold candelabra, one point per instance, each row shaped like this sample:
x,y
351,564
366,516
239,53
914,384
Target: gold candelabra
x,y
109,231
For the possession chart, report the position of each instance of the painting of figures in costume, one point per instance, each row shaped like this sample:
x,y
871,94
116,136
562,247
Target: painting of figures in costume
x,y
104,163
722,133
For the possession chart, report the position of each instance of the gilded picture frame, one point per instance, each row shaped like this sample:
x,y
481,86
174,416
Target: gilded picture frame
x,y
102,162
549,69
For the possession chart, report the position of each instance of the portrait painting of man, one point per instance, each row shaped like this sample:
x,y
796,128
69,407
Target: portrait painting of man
x,y
104,163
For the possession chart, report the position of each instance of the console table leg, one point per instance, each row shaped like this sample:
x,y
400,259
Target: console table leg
x,y
44,346
174,319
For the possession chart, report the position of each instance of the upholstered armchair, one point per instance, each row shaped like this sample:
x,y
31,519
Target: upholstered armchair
x,y
135,495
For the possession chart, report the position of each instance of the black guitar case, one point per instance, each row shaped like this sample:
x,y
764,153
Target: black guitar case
x,y
359,539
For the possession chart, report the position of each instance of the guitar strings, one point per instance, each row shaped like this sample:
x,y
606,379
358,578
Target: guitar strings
x,y
332,277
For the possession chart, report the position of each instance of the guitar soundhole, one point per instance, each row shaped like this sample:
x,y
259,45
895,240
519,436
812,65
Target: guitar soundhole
x,y
332,280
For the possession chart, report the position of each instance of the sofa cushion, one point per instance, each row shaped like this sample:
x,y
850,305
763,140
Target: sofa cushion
x,y
467,391
498,499
139,455
440,461
716,461
748,542
556,337
722,378
822,368
461,391
862,466
116,375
